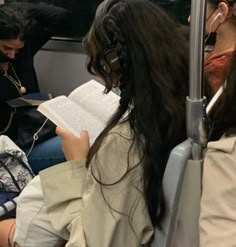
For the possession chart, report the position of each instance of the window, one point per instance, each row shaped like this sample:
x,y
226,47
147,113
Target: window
x,y
82,14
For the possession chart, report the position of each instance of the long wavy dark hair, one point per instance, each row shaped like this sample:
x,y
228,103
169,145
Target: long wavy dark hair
x,y
153,75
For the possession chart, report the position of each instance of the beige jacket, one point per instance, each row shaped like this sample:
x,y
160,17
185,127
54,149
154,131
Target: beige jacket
x,y
218,203
88,214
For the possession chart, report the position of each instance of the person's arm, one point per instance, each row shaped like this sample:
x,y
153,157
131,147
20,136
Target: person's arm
x,y
45,21
7,229
94,215
218,203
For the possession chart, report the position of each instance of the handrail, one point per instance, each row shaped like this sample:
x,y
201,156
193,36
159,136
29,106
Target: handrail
x,y
197,27
67,39
196,102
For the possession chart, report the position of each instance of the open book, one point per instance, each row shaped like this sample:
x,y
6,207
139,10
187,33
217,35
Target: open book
x,y
87,107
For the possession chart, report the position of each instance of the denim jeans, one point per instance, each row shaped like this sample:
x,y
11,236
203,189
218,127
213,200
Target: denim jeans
x,y
46,154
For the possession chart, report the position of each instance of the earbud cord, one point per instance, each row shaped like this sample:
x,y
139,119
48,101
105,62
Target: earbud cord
x,y
209,33
36,137
215,98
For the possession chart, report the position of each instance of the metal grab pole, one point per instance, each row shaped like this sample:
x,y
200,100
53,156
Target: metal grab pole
x,y
196,102
197,27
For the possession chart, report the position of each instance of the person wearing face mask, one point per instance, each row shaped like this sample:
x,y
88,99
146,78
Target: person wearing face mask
x,y
22,33
221,19
218,202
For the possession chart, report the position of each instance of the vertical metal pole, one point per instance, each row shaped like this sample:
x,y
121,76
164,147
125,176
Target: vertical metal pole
x,y
197,27
196,103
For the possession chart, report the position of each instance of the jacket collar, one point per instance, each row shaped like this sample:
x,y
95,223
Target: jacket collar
x,y
225,144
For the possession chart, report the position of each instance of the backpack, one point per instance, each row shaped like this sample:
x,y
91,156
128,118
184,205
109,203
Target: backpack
x,y
15,172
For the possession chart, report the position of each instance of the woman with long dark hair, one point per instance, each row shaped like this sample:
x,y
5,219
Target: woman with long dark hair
x,y
111,193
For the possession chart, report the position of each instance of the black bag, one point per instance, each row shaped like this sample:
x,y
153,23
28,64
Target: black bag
x,y
28,120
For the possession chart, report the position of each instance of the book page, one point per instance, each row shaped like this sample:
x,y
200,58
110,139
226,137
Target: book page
x,y
71,116
91,97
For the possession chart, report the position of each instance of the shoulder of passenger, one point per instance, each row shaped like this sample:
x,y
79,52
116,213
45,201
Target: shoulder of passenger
x,y
225,144
118,152
121,132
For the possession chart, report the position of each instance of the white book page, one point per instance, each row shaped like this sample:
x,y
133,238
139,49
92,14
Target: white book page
x,y
71,116
92,98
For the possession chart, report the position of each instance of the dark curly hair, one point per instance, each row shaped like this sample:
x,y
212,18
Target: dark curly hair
x,y
12,23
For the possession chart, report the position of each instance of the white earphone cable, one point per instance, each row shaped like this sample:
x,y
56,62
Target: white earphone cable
x,y
209,33
36,137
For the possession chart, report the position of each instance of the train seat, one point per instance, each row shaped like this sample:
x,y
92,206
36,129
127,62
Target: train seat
x,y
182,189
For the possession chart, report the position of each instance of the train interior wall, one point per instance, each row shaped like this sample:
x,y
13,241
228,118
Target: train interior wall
x,y
60,70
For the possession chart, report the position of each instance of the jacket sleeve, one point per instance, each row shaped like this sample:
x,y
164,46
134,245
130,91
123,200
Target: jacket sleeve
x,y
45,21
114,214
218,203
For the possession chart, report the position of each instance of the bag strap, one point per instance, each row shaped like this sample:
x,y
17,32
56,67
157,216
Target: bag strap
x,y
23,164
4,208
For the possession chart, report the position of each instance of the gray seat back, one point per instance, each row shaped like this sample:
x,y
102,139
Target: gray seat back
x,y
172,186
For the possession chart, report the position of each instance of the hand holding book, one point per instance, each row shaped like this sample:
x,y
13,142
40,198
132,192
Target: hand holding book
x,y
87,107
74,148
